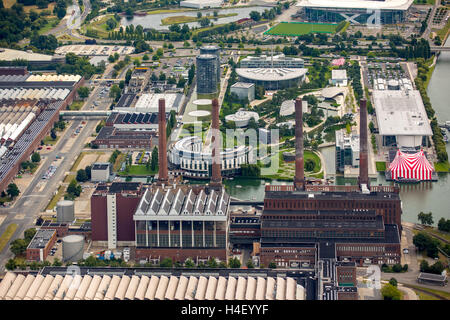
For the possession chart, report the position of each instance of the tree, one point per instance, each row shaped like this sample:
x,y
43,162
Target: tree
x,y
393,282
255,15
36,157
81,176
12,190
53,134
88,171
166,263
199,14
272,265
29,234
250,264
397,267
114,92
154,159
11,264
309,165
426,218
389,292
189,263
212,263
74,189
145,57
57,262
234,263
83,92
19,246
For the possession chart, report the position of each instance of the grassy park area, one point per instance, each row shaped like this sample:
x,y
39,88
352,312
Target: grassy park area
x,y
186,19
381,166
138,170
286,170
4,238
300,28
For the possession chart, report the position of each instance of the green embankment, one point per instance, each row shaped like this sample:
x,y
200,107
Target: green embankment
x,y
6,236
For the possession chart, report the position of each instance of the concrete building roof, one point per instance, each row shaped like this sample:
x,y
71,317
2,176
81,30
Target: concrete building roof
x,y
401,113
357,4
271,74
339,74
11,54
41,238
242,85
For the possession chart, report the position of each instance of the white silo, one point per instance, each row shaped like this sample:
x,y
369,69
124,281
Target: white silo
x,y
72,247
65,211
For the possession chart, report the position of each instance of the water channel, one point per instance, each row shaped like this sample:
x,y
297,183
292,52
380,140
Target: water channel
x,y
154,20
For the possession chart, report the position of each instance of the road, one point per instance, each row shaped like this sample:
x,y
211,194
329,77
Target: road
x,y
32,201
426,33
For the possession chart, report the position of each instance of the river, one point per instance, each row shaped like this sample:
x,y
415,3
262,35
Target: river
x,y
154,20
426,197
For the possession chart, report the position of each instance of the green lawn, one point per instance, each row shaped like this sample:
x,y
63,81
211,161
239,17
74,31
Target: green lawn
x,y
424,296
381,166
138,170
50,141
76,105
56,198
9,232
286,170
442,167
186,19
440,293
300,28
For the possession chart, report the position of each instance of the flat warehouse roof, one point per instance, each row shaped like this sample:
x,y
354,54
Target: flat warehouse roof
x,y
357,4
401,113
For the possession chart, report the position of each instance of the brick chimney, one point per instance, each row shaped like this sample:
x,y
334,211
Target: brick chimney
x,y
216,176
363,153
299,179
162,141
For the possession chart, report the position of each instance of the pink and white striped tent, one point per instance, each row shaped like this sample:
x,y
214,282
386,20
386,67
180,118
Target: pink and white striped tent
x,y
411,166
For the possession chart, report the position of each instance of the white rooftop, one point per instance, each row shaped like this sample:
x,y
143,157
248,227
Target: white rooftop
x,y
401,113
271,74
243,85
10,55
339,74
357,4
148,102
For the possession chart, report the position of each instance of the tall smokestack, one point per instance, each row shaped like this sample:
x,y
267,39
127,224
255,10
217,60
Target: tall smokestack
x,y
363,153
216,176
162,152
299,179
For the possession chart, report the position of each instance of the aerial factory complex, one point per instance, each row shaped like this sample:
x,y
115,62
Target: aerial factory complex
x,y
224,150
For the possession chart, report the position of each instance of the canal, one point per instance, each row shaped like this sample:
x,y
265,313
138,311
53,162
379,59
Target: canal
x,y
426,197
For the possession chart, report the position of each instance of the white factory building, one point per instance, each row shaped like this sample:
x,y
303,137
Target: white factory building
x,y
123,284
244,90
338,78
191,157
401,118
148,103
201,4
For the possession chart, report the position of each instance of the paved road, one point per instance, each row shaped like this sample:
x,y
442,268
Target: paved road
x,y
33,202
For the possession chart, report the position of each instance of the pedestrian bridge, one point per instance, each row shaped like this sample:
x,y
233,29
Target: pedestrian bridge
x,y
85,114
437,49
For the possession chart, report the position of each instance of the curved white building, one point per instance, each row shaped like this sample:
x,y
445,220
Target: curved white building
x,y
272,78
189,155
242,117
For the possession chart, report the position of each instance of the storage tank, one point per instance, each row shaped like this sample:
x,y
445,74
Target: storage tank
x,y
72,248
65,211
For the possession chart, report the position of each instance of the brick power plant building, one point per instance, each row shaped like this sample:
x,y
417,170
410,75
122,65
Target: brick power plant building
x,y
359,224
